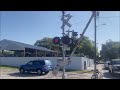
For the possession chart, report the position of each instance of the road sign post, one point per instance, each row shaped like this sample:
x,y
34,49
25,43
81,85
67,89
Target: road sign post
x,y
63,50
64,41
65,22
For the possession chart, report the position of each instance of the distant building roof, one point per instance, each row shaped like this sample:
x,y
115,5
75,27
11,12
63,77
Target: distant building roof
x,y
13,45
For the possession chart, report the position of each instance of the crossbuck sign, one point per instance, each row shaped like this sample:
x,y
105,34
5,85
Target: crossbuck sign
x,y
66,20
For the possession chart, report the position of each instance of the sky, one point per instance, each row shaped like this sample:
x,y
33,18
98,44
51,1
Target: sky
x,y
29,26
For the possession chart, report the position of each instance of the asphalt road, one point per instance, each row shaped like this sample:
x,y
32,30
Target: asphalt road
x,y
107,75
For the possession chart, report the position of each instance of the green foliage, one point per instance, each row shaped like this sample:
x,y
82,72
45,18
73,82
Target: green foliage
x,y
48,43
8,67
6,53
110,50
86,48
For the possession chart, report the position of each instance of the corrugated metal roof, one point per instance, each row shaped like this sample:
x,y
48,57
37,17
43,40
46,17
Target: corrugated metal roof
x,y
21,46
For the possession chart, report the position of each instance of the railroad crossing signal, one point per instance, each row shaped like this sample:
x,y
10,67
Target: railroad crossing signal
x,y
74,33
56,40
65,40
66,21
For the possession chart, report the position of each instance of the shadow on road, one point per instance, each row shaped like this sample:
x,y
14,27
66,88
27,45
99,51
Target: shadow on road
x,y
110,76
17,74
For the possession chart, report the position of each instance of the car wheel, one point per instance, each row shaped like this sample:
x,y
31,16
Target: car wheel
x,y
39,72
22,70
109,71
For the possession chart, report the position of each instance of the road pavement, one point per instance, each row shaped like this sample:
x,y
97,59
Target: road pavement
x,y
107,75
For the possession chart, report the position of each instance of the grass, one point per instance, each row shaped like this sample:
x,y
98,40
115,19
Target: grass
x,y
8,67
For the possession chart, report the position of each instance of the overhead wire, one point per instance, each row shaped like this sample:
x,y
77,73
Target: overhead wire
x,y
119,37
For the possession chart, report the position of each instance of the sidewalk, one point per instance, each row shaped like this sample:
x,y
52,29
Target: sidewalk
x,y
99,67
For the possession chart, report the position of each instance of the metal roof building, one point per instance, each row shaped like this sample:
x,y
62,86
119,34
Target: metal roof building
x,y
24,48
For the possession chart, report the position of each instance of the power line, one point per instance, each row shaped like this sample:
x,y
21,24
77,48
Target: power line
x,y
119,36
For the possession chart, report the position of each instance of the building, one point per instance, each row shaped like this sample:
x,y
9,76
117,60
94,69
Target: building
x,y
19,49
23,53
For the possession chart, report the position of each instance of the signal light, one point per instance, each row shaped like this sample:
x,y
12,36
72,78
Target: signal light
x,y
74,33
65,40
56,40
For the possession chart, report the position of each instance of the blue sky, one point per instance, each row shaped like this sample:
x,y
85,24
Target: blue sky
x,y
29,26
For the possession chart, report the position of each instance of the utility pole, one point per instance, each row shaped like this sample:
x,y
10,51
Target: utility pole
x,y
63,50
68,32
61,63
95,44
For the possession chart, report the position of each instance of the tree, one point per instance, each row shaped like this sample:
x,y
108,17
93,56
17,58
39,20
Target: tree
x,y
86,48
47,43
110,50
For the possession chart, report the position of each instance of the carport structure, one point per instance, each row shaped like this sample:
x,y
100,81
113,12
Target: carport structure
x,y
25,50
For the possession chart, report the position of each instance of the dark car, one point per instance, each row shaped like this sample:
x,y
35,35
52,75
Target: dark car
x,y
38,66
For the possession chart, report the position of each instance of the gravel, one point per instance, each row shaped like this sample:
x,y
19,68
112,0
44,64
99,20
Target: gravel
x,y
6,73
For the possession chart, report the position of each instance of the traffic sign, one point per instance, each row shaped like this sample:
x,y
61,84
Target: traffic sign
x,y
62,27
66,21
67,15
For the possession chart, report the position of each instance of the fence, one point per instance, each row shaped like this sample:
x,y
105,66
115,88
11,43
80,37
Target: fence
x,y
76,64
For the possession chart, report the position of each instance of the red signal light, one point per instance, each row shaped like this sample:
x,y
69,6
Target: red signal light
x,y
56,40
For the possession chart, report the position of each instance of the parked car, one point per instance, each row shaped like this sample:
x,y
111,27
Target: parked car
x,y
106,64
114,66
38,66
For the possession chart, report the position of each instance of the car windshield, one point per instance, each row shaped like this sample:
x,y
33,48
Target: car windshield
x,y
115,62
